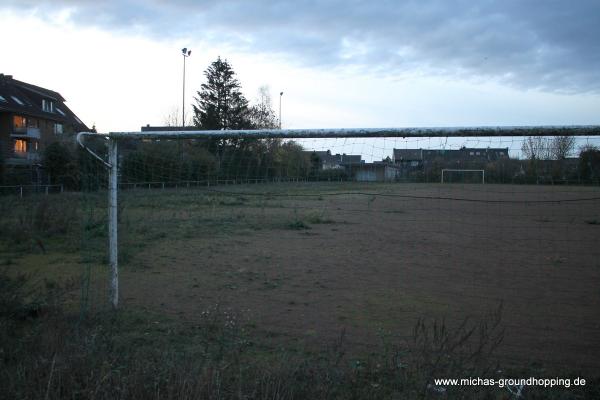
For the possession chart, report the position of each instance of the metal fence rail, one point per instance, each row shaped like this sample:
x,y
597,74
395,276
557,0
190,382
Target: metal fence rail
x,y
22,190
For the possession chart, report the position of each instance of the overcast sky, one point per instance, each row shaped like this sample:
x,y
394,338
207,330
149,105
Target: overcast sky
x,y
339,63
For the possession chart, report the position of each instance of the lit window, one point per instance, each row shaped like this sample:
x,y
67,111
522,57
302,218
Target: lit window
x,y
17,100
20,146
471,153
478,153
2,99
58,128
19,122
61,112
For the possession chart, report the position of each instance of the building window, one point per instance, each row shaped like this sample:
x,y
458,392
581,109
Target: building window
x,y
19,122
58,128
17,100
478,153
471,153
47,105
20,146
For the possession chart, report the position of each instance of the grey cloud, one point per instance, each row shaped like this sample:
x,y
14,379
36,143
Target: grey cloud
x,y
536,44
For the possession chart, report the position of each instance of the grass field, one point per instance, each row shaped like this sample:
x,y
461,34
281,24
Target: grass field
x,y
308,261
297,265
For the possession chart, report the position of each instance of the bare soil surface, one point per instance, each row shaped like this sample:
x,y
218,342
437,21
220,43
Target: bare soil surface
x,y
307,262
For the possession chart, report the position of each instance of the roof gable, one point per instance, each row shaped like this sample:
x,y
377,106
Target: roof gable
x,y
27,99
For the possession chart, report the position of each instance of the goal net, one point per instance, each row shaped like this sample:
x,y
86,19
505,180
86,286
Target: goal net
x,y
308,233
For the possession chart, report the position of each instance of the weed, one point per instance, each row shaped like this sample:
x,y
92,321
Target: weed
x,y
298,225
319,219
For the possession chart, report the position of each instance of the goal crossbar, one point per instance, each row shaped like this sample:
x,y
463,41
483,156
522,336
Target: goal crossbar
x,y
476,131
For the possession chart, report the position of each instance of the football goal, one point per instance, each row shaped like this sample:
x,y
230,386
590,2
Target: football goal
x,y
162,159
463,175
309,231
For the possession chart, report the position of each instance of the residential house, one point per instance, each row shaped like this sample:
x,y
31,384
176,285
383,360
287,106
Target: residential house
x,y
415,158
326,160
31,117
375,172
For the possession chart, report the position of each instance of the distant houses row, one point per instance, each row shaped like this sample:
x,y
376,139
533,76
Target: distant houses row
x,y
404,162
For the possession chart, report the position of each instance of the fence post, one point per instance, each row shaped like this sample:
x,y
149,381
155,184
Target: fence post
x,y
112,222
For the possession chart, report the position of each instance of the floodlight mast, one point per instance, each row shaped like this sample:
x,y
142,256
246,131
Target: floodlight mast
x,y
164,133
280,96
186,53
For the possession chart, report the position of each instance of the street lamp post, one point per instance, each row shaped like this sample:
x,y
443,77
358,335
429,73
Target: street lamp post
x,y
186,53
280,95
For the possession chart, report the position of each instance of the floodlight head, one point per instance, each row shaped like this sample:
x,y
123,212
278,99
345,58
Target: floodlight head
x,y
184,50
281,94
189,52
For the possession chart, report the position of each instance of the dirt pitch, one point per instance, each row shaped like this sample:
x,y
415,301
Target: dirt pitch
x,y
306,261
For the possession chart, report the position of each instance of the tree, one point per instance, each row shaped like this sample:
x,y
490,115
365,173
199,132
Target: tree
x,y
220,104
172,118
540,148
536,148
261,115
561,146
59,163
589,162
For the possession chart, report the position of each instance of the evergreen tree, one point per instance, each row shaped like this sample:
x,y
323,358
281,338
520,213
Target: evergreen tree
x,y
220,104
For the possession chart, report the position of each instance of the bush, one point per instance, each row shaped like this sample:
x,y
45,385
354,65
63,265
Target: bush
x,y
60,163
589,164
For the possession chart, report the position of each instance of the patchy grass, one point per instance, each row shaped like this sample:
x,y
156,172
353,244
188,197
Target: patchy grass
x,y
136,354
181,251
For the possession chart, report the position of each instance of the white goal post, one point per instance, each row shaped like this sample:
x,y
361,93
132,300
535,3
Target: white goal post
x,y
446,170
113,139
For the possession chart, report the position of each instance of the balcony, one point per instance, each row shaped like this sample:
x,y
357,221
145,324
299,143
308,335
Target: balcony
x,y
23,158
26,132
